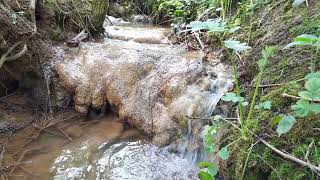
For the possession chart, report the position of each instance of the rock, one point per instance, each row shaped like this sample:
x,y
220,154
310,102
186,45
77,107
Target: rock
x,y
138,34
74,131
141,19
130,133
153,86
112,21
116,10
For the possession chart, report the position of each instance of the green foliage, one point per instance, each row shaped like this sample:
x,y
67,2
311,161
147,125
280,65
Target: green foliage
x,y
305,106
264,105
285,124
211,169
236,45
230,96
297,3
305,40
224,154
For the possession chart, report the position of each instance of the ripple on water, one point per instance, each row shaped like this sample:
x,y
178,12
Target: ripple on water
x,y
124,160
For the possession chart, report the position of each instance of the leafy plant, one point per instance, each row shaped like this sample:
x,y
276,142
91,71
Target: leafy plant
x,y
238,47
230,96
307,40
209,169
297,3
263,105
307,105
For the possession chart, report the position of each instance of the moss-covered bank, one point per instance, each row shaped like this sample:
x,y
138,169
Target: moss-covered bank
x,y
276,23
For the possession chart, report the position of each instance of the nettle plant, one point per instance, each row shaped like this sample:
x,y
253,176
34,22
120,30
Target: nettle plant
x,y
309,99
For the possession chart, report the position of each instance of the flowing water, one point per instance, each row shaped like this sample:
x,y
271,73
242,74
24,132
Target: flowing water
x,y
151,85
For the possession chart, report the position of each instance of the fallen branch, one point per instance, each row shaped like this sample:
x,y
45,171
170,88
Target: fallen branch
x,y
64,133
18,55
4,56
76,40
290,157
297,98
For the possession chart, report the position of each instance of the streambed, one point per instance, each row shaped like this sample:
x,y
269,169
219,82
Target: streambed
x,y
146,83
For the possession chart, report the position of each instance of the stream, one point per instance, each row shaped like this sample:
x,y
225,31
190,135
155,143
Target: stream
x,y
145,83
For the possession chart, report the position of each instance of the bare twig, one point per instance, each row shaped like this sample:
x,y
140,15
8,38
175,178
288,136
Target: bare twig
x,y
4,56
64,133
296,97
309,150
290,157
199,40
18,55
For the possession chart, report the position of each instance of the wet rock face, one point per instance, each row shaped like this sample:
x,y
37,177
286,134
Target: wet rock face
x,y
153,86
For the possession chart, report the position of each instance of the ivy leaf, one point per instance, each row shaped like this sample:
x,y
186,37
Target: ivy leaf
x,y
297,3
285,124
237,46
204,176
302,108
224,153
213,170
264,105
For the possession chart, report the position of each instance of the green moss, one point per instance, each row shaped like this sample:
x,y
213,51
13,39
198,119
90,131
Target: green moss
x,y
276,95
287,171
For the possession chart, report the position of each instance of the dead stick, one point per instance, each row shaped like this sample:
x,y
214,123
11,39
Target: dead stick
x,y
290,157
64,133
296,97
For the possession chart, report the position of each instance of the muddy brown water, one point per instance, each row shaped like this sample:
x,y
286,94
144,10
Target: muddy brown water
x,y
136,70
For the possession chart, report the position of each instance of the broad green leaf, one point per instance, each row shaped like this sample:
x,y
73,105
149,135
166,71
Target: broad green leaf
x,y
203,164
315,108
224,153
313,75
285,124
213,170
216,26
198,25
309,95
234,29
208,149
232,97
237,46
306,38
276,120
204,176
264,105
302,108
313,85
245,103
297,3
